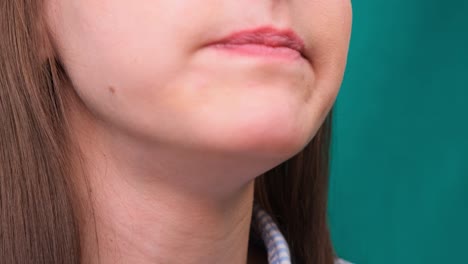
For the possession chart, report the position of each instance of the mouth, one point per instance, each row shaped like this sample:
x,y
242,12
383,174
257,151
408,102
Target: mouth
x,y
265,41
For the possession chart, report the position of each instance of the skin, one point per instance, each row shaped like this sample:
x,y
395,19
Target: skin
x,y
173,133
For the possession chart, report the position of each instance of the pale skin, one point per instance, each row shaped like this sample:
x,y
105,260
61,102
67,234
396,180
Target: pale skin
x,y
174,134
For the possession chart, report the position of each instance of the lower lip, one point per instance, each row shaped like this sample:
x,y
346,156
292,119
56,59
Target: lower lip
x,y
259,50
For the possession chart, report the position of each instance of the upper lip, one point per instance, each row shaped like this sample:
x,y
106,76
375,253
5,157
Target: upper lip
x,y
265,35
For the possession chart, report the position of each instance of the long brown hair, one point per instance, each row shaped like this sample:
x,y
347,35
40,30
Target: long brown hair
x,y
38,203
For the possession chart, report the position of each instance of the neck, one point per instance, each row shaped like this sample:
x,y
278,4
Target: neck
x,y
138,212
166,226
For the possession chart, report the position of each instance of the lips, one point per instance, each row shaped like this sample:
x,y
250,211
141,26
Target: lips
x,y
267,36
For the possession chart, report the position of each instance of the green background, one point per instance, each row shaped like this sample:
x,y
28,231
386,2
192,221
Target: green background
x,y
399,174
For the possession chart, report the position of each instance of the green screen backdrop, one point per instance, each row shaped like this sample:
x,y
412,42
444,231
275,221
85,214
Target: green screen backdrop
x,y
399,174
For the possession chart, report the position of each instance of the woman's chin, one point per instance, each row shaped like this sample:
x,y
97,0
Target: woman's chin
x,y
277,136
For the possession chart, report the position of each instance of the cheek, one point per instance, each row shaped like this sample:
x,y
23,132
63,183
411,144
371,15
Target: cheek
x,y
330,28
328,24
112,49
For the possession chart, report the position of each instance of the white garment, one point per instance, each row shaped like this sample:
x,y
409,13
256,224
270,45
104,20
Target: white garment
x,y
274,241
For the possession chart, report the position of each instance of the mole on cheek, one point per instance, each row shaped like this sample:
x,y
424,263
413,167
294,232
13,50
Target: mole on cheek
x,y
112,89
